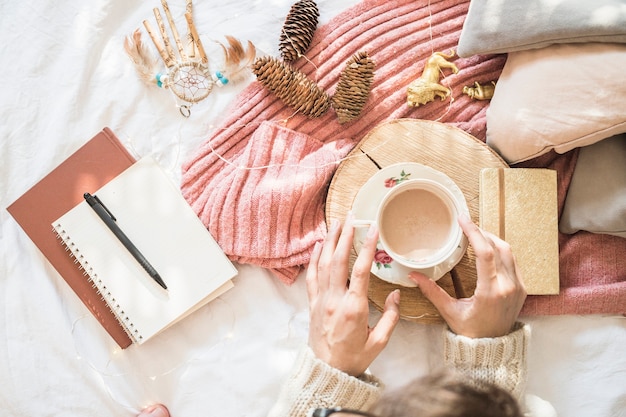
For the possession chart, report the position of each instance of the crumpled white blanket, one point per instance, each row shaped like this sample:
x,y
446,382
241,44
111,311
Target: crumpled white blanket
x,y
64,77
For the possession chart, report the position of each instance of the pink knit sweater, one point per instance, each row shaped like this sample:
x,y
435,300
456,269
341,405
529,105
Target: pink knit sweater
x,y
272,216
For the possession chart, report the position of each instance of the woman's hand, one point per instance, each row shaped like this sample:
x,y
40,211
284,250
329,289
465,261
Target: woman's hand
x,y
493,309
339,332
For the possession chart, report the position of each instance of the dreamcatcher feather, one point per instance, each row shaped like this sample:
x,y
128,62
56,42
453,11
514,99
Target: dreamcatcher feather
x,y
187,74
146,64
237,60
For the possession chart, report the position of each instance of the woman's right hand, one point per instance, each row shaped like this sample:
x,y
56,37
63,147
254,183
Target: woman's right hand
x,y
499,296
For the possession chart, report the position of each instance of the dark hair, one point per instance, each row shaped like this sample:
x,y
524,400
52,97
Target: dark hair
x,y
447,395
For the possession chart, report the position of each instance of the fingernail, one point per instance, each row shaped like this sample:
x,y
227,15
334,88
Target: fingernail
x,y
334,225
316,247
154,411
396,297
372,230
413,276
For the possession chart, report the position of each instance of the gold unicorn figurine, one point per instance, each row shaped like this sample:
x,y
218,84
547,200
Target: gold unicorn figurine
x,y
427,87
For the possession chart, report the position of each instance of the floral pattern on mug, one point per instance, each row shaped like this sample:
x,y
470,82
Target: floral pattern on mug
x,y
392,181
382,259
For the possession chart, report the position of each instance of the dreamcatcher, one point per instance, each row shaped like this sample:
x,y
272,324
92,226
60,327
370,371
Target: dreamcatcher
x,y
187,74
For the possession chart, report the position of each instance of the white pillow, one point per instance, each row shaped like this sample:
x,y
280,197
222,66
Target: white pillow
x,y
558,97
596,196
500,26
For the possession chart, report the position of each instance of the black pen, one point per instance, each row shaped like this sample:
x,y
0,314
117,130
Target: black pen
x,y
108,219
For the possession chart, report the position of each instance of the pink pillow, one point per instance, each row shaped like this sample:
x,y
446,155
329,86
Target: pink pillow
x,y
559,97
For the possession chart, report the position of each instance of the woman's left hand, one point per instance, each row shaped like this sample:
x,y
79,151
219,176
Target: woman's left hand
x,y
339,332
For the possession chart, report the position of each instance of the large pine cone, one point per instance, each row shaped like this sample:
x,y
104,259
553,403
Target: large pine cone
x,y
353,88
293,87
298,30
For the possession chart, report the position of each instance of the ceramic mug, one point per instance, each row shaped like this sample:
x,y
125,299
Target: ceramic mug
x,y
417,223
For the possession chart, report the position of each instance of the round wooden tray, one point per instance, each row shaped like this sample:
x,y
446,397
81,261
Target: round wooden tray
x,y
440,146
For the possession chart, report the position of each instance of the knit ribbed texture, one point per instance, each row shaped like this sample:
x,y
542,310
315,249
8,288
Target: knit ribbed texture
x,y
313,384
250,209
501,361
397,37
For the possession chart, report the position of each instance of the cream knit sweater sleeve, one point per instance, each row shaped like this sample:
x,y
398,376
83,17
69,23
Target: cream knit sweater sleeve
x,y
313,384
499,360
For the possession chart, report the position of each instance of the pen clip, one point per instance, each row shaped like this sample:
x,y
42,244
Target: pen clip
x,y
95,197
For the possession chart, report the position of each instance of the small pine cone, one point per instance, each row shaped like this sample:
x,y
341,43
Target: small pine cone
x,y
298,30
353,88
293,87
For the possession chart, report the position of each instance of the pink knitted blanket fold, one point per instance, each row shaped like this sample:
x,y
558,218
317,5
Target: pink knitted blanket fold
x,y
272,215
258,216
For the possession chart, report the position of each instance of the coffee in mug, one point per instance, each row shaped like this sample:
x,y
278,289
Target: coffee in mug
x,y
417,222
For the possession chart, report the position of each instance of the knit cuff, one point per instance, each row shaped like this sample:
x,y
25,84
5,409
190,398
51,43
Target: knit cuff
x,y
499,360
313,384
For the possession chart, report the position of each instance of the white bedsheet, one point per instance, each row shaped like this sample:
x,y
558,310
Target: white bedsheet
x,y
64,77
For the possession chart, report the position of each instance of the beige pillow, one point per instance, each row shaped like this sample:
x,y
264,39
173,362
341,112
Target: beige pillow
x,y
558,97
596,197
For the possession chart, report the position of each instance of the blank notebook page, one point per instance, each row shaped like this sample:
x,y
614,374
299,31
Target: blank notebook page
x,y
150,210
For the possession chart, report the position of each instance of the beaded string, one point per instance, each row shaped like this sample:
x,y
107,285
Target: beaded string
x,y
220,79
175,369
186,108
314,167
286,120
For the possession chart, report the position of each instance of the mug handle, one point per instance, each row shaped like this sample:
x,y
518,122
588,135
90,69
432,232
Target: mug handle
x,y
362,223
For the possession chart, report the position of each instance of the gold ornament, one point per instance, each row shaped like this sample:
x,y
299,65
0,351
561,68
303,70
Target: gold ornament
x,y
480,92
427,87
293,87
298,30
353,88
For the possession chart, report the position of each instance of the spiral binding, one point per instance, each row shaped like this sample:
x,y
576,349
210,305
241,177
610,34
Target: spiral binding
x,y
97,284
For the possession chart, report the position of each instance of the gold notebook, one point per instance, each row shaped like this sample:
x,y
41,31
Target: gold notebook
x,y
519,205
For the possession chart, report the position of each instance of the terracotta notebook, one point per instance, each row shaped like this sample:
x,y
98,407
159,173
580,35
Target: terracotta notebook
x,y
93,165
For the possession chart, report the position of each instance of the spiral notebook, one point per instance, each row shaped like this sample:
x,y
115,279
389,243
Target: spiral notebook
x,y
152,213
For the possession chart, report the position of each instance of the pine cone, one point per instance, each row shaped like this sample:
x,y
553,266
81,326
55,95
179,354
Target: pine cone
x,y
293,87
298,29
353,88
